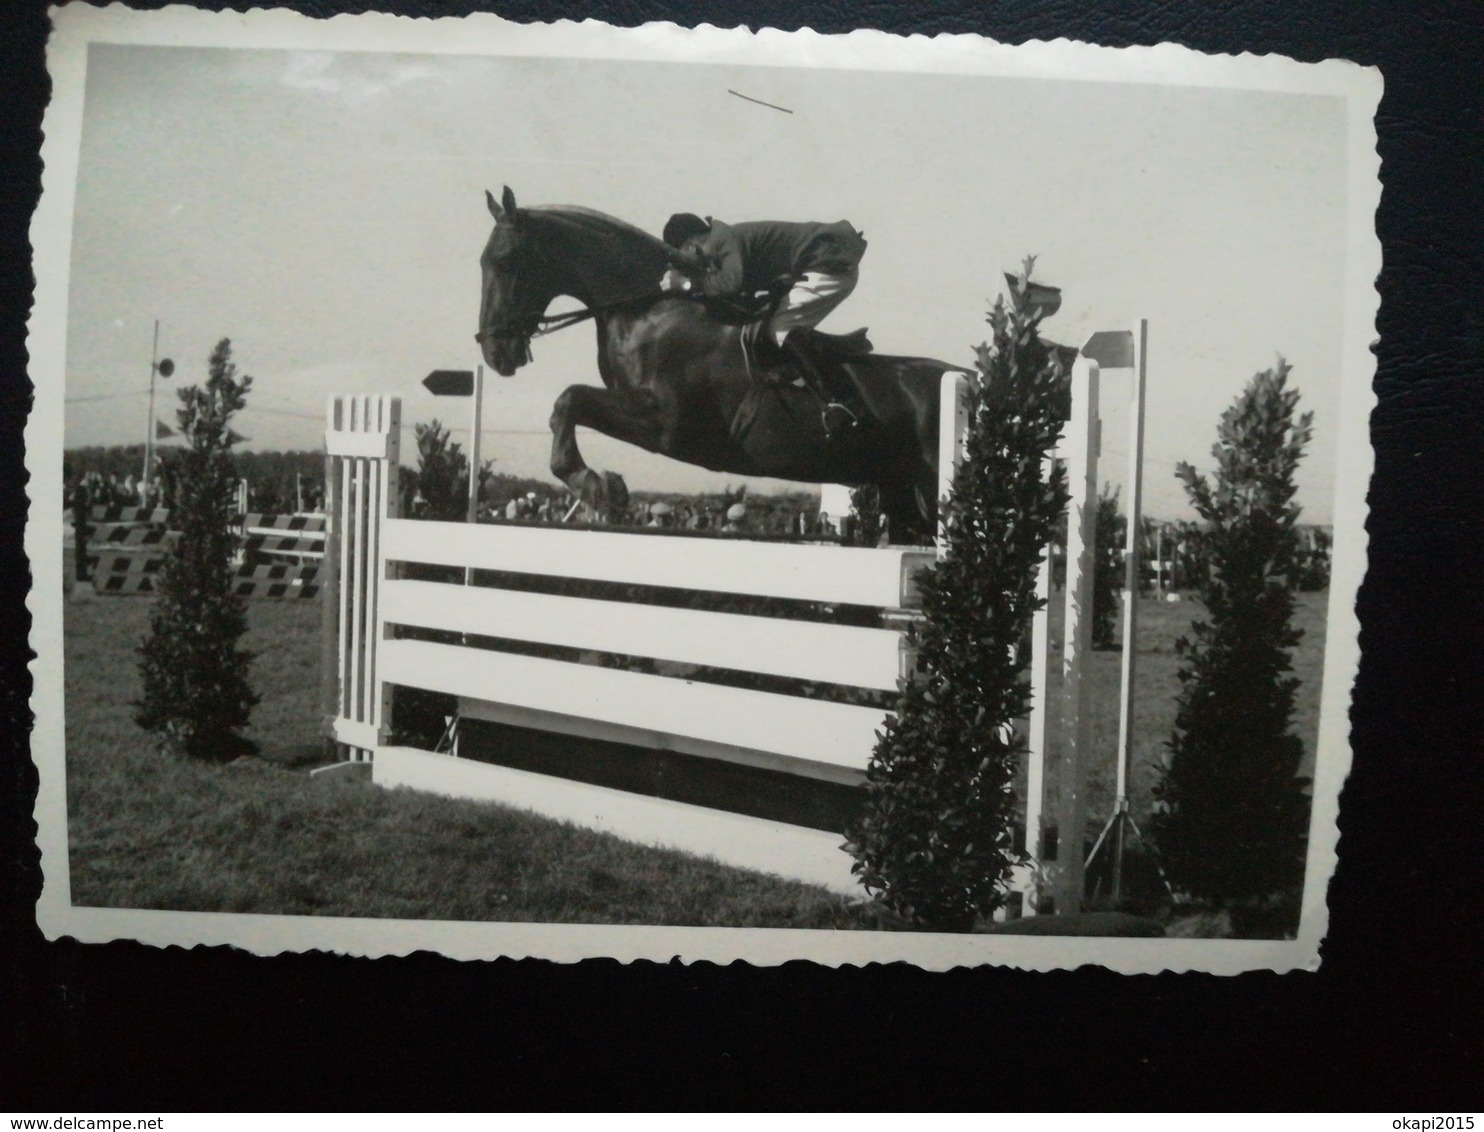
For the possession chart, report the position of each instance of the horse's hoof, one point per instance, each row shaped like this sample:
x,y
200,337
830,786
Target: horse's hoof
x,y
615,491
589,488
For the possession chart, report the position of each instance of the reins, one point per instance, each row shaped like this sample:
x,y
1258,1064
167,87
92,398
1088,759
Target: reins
x,y
544,324
551,323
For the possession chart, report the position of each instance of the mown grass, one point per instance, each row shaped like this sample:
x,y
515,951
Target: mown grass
x,y
262,835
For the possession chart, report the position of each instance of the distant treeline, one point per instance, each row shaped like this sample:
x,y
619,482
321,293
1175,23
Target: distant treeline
x,y
271,476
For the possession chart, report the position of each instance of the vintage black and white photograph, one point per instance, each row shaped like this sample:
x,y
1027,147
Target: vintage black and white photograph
x,y
569,491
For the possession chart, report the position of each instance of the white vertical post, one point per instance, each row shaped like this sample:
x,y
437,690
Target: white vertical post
x,y
362,443
359,504
475,430
330,613
1081,445
1159,561
953,420
1130,594
1035,747
345,519
389,421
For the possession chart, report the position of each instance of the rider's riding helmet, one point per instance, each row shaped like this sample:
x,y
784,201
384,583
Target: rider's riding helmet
x,y
684,226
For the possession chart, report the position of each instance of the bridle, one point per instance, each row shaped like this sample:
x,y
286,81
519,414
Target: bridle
x,y
530,327
538,326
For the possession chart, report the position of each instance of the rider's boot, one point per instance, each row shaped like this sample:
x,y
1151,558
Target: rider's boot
x,y
814,371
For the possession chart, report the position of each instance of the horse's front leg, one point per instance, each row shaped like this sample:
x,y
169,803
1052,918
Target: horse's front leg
x,y
633,417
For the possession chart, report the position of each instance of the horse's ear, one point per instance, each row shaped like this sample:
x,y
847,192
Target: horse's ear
x,y
508,200
489,199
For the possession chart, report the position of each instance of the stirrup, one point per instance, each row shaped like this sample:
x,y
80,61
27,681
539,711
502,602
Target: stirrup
x,y
837,407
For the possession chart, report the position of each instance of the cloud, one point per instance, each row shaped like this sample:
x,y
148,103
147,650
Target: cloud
x,y
311,71
355,77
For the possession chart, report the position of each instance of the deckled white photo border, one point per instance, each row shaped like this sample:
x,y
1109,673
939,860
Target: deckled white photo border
x,y
77,26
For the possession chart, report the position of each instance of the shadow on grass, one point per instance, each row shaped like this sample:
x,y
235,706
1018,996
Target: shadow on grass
x,y
298,756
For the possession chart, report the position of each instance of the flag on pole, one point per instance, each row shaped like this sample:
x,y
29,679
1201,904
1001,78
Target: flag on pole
x,y
163,431
1111,349
1043,300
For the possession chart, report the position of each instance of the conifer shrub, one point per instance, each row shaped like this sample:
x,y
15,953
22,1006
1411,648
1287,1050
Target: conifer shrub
x,y
936,840
194,673
1231,812
442,480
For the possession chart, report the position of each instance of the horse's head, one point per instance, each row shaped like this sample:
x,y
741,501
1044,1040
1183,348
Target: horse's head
x,y
536,254
513,294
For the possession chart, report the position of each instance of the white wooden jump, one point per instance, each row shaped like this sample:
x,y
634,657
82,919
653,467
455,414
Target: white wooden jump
x,y
369,603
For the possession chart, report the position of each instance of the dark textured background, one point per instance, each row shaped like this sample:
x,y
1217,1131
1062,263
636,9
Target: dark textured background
x,y
1393,1020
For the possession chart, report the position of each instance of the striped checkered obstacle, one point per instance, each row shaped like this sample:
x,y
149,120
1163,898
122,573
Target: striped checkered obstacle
x,y
104,521
313,547
127,582
278,581
146,516
128,545
136,574
287,536
257,523
119,536
125,563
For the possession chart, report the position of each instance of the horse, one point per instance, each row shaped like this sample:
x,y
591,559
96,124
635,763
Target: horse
x,y
681,381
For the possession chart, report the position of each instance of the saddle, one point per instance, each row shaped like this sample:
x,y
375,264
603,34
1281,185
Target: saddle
x,y
810,361
842,347
767,361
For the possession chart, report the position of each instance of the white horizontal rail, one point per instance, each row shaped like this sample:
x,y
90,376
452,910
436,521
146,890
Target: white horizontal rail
x,y
810,730
790,851
834,574
803,650
364,445
356,734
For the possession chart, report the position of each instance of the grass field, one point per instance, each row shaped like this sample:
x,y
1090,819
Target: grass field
x,y
262,835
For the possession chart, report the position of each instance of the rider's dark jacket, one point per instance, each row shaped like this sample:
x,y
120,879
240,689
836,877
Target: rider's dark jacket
x,y
740,259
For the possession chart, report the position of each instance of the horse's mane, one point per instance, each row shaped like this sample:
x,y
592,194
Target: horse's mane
x,y
599,224
591,217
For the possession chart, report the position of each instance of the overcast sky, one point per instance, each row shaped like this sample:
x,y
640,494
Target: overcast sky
x,y
325,211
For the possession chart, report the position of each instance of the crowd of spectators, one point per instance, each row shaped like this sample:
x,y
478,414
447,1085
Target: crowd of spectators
x,y
768,516
101,490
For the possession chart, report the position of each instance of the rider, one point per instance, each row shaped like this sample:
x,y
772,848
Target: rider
x,y
818,262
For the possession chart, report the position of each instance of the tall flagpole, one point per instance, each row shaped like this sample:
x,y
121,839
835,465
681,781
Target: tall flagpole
x,y
1130,609
149,427
1121,820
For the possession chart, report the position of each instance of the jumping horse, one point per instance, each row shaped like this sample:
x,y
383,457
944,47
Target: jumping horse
x,y
681,381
